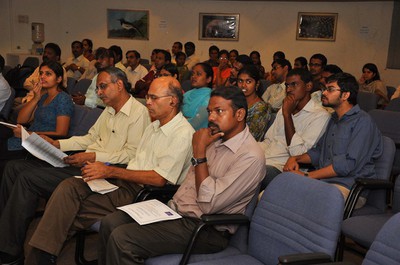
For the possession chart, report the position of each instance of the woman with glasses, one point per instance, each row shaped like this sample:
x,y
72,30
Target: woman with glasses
x,y
371,82
195,101
223,70
258,111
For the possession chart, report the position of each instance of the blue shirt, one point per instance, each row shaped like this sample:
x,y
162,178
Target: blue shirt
x,y
45,117
194,107
350,145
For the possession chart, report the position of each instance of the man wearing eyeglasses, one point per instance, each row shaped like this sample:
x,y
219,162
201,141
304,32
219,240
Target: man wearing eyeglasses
x,y
275,93
114,139
162,157
298,125
350,144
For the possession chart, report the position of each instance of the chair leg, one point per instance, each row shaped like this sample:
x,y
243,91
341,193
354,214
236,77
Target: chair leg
x,y
340,248
80,250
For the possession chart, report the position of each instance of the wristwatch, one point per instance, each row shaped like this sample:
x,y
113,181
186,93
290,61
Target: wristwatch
x,y
198,161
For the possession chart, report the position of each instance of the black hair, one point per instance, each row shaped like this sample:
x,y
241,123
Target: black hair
x,y
179,54
234,94
244,59
252,71
58,70
77,42
102,52
90,43
2,63
190,44
303,61
223,52
167,55
170,67
332,68
305,75
213,48
347,83
54,47
279,55
283,63
208,70
137,54
118,52
373,68
320,57
179,44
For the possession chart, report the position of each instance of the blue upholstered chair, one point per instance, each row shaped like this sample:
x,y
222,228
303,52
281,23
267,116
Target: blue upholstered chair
x,y
363,229
295,215
394,105
6,110
367,101
83,119
81,86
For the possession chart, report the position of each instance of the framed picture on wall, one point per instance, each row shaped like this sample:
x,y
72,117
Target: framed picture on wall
x,y
128,24
316,26
217,26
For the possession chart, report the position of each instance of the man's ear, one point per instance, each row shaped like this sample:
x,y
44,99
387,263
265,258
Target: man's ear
x,y
345,95
174,102
240,114
120,84
309,86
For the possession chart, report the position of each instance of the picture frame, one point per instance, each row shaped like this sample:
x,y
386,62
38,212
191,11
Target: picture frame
x,y
128,24
219,26
316,26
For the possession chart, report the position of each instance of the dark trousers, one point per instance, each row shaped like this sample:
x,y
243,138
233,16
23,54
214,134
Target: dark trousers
x,y
123,241
23,183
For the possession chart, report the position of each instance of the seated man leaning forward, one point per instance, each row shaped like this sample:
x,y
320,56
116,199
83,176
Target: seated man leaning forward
x,y
114,138
297,127
228,166
351,141
163,156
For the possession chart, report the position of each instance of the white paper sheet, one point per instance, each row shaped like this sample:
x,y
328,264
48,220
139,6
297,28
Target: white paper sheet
x,y
43,150
101,186
150,211
8,124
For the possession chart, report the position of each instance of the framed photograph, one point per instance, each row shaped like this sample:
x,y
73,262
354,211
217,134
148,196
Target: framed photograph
x,y
128,24
214,26
316,26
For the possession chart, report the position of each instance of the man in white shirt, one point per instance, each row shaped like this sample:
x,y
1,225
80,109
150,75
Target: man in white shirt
x,y
163,156
275,93
176,47
298,125
76,65
5,89
135,71
191,57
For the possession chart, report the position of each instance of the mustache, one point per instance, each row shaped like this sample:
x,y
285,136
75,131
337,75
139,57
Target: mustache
x,y
214,127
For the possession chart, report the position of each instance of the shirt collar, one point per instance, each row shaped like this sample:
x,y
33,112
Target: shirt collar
x,y
126,108
354,110
169,128
236,141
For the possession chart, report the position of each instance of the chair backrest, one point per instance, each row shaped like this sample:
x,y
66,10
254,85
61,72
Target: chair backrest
x,y
6,110
390,91
71,82
186,85
144,61
376,200
31,62
6,69
83,119
264,84
81,86
394,105
295,215
367,101
386,247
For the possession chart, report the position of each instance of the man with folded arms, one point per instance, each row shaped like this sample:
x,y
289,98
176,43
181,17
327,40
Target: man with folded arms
x,y
114,138
163,156
228,166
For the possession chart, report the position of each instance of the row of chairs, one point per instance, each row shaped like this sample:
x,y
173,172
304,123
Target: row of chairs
x,y
369,101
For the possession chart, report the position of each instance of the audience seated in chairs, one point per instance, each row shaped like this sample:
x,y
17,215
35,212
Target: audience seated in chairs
x,y
114,139
77,64
370,81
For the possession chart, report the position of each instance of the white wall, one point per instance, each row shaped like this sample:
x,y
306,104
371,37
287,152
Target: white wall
x,y
264,26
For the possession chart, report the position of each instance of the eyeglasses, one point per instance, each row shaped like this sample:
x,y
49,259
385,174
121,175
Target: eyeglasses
x,y
330,89
274,68
314,64
154,97
293,84
102,86
223,58
164,74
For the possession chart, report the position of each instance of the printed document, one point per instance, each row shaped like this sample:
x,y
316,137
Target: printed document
x,y
8,124
43,150
101,186
151,211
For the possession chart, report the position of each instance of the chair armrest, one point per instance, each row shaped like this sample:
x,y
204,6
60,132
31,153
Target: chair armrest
x,y
212,219
223,219
304,258
163,194
360,185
